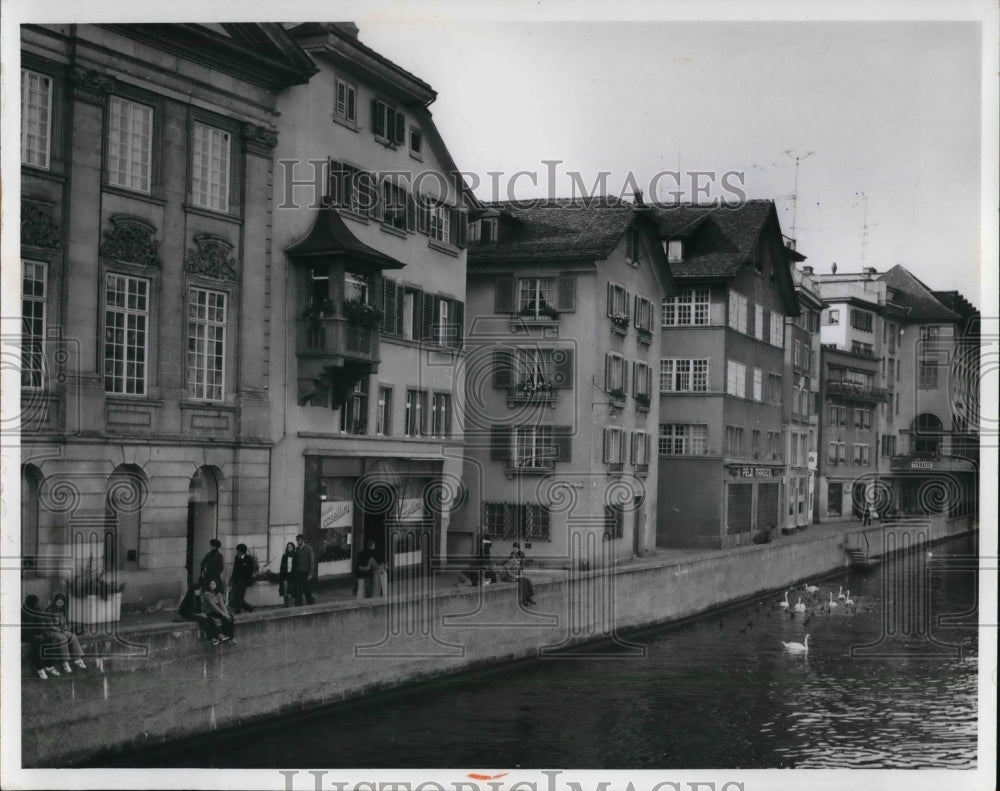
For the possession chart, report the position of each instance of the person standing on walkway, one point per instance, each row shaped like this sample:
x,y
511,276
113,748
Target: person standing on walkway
x,y
242,578
286,574
365,570
220,625
304,563
213,564
869,509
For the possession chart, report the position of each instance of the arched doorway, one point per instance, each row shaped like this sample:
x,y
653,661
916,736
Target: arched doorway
x,y
31,481
126,495
203,517
926,432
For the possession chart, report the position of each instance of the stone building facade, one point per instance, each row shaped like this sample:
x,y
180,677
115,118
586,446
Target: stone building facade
x,y
147,160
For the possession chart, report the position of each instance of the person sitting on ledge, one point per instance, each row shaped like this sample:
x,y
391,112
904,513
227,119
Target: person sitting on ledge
x,y
57,610
220,625
46,642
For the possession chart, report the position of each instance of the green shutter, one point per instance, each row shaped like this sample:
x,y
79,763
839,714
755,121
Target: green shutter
x,y
563,438
499,443
566,293
504,295
503,367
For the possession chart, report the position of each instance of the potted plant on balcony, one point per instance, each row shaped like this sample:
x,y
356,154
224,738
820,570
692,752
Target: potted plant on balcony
x,y
620,320
534,384
362,314
617,394
93,598
319,310
544,311
642,399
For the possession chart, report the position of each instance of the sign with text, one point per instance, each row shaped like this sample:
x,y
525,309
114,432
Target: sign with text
x,y
339,513
411,509
739,471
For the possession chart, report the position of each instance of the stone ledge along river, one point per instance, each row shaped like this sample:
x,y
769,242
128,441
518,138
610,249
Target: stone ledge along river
x,y
890,682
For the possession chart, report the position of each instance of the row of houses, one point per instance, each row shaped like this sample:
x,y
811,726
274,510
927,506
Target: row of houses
x,y
258,301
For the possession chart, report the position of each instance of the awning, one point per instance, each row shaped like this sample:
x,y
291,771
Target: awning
x,y
330,236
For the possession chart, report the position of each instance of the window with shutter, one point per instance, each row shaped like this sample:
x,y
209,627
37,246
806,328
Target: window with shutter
x,y
416,316
458,333
400,136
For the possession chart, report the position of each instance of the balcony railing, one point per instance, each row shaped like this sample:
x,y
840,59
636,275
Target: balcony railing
x,y
540,462
857,391
336,338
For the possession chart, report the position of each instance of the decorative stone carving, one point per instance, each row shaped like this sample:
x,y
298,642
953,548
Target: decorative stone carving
x,y
314,393
259,139
91,85
212,258
38,226
131,239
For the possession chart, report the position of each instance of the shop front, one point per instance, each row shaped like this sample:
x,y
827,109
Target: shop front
x,y
352,501
752,503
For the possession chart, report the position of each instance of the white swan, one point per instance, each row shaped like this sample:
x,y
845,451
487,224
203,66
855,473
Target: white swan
x,y
797,648
799,606
840,593
848,601
832,602
811,589
784,604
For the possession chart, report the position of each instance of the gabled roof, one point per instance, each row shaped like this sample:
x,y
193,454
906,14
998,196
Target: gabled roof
x,y
718,240
916,298
331,237
540,230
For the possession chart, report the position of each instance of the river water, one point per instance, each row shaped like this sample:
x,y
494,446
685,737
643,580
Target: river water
x,y
717,692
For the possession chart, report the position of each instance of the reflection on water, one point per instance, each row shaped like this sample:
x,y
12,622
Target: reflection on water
x,y
717,692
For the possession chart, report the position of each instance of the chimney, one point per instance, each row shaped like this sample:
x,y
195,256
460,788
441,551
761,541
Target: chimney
x,y
870,271
807,270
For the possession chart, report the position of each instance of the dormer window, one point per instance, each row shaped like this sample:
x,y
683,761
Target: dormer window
x,y
674,250
489,231
632,246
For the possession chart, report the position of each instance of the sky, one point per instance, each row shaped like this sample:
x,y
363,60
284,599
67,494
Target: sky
x,y
884,118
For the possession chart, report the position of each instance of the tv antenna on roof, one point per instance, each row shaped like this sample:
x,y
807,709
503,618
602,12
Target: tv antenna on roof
x,y
864,229
795,192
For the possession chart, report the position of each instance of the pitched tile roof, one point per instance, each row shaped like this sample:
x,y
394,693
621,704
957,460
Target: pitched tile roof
x,y
546,229
916,298
717,240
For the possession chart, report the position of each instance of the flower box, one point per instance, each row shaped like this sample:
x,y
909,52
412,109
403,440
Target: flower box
x,y
94,609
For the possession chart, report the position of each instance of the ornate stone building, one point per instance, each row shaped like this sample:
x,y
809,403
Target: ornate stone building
x,y
147,162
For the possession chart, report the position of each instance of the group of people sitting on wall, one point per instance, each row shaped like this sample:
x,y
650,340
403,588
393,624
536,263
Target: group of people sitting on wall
x,y
512,570
206,601
49,637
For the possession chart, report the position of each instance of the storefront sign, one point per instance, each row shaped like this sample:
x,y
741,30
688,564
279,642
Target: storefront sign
x,y
754,472
411,510
337,514
921,465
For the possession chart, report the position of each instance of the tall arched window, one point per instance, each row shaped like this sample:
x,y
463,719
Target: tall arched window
x,y
126,495
31,481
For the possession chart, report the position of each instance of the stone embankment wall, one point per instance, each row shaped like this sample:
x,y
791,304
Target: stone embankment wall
x,y
167,682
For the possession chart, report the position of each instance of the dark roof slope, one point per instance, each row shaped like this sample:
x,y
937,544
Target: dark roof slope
x,y
330,236
916,298
717,240
544,229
